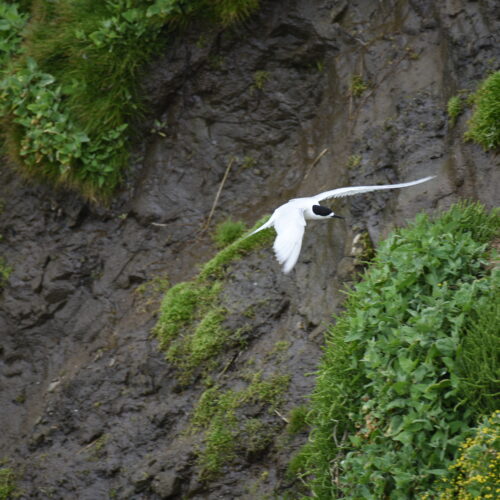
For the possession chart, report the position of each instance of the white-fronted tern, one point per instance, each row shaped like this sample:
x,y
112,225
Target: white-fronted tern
x,y
289,220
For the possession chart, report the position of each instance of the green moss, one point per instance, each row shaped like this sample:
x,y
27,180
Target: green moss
x,y
260,78
7,483
454,109
214,267
357,86
297,419
219,415
190,324
389,411
227,232
484,125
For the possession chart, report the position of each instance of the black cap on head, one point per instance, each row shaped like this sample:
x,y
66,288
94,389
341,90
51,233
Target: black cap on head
x,y
319,210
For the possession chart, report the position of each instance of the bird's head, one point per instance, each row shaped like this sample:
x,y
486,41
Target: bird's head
x,y
320,212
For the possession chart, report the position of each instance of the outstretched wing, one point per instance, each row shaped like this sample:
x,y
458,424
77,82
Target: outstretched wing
x,y
349,191
289,224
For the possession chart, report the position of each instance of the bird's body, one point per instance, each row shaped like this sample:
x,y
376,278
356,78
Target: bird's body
x,y
289,220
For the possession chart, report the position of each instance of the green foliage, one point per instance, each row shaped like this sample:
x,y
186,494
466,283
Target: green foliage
x,y
70,90
358,86
189,327
260,78
214,268
7,483
12,22
484,125
5,271
388,412
224,430
478,355
454,109
227,232
297,420
476,471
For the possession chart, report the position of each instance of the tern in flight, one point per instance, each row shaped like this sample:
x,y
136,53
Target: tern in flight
x,y
289,220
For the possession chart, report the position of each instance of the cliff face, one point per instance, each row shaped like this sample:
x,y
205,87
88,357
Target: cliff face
x,y
305,96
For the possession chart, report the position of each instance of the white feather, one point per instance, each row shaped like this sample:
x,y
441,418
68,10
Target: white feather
x,y
289,224
289,220
349,191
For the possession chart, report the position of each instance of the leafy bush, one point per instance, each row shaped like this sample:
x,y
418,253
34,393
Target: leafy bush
x,y
388,409
70,91
476,472
484,125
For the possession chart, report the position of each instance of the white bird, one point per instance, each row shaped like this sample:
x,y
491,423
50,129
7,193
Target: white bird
x,y
289,220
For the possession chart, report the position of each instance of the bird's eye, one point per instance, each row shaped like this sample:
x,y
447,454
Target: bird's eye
x,y
319,210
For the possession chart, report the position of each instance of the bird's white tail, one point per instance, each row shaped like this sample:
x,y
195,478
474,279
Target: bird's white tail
x,y
267,224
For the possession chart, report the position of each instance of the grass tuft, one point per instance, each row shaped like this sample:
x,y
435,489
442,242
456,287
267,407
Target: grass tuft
x,y
484,125
227,232
454,109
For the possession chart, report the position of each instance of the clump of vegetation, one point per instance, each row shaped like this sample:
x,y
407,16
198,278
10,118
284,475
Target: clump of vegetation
x,y
225,431
69,87
454,109
357,86
390,409
7,483
297,420
478,355
193,309
227,232
476,471
354,161
484,125
260,78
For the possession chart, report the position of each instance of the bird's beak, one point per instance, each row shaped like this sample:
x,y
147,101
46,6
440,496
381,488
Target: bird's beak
x,y
338,216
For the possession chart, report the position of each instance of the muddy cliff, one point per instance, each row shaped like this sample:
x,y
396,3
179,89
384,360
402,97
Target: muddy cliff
x,y
302,97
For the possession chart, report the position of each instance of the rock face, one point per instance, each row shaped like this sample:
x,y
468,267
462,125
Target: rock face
x,y
90,408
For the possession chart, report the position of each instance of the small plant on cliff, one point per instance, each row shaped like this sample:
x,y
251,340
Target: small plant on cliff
x,y
454,109
7,483
357,86
484,125
227,232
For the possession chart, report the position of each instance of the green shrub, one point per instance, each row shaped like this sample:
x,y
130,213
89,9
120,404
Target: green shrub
x,y
227,232
71,89
388,411
476,471
484,125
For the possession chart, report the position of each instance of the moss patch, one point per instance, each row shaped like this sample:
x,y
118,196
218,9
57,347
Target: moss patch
x,y
484,125
190,325
226,430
